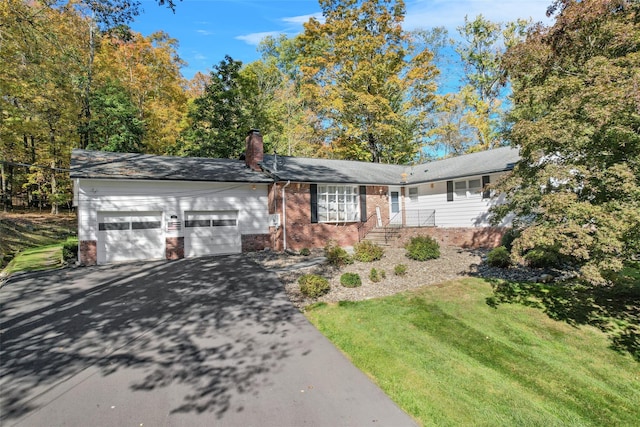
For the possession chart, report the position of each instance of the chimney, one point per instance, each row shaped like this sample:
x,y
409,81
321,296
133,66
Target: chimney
x,y
254,152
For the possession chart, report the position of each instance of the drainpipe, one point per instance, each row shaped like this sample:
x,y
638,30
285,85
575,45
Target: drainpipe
x,y
284,216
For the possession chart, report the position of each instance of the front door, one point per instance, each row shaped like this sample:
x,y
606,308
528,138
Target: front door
x,y
395,206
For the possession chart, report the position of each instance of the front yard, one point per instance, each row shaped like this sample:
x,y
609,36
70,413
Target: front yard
x,y
448,358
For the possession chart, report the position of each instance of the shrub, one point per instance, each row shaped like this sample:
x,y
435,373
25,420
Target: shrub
x,y
313,286
305,252
499,257
422,248
541,257
350,280
70,250
400,270
508,237
367,251
383,274
374,276
336,255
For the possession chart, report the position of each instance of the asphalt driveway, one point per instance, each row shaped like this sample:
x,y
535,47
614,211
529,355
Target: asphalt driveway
x,y
198,342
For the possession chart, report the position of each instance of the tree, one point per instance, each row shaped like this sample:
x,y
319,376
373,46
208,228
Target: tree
x,y
148,68
576,120
362,76
294,125
115,124
481,49
452,130
219,120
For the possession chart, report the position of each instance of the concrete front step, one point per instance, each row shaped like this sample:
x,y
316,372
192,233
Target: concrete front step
x,y
383,236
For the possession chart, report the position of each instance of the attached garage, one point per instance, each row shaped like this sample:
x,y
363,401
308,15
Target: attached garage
x,y
211,233
130,236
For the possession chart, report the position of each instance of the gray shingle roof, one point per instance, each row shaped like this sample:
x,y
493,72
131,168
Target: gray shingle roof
x,y
301,169
103,165
480,163
298,169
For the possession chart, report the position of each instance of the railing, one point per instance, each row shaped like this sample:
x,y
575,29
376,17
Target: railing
x,y
366,226
420,218
413,218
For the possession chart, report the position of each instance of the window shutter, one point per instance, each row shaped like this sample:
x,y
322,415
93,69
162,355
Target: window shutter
x,y
314,203
449,191
485,181
363,203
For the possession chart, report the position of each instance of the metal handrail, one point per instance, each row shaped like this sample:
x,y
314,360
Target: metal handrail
x,y
365,226
426,220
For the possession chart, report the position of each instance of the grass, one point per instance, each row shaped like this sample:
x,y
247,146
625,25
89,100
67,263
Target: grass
x,y
447,358
23,231
35,259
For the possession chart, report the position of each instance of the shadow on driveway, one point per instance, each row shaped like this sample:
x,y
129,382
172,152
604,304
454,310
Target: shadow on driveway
x,y
149,343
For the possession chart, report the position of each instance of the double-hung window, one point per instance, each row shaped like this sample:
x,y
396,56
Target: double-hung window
x,y
468,188
338,203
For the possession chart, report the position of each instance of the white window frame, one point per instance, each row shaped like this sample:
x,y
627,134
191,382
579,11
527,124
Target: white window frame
x,y
338,203
465,189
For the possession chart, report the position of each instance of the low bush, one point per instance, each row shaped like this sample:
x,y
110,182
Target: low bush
x,y
350,280
400,270
313,286
499,257
70,250
508,237
422,248
541,258
367,251
374,276
336,255
305,252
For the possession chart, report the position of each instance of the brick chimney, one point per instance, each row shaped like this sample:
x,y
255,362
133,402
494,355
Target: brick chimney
x,y
254,152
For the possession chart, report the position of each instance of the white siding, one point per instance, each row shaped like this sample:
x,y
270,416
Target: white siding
x,y
461,212
171,198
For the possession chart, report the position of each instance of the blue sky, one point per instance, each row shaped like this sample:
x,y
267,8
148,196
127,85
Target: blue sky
x,y
207,30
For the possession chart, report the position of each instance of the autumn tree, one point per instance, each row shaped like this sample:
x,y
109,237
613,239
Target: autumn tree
x,y
481,49
295,130
576,119
368,85
148,69
219,120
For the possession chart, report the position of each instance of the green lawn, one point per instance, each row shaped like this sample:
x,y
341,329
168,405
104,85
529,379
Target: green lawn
x,y
39,258
448,358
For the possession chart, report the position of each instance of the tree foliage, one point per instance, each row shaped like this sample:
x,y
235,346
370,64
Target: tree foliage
x,y
57,74
368,85
219,119
576,120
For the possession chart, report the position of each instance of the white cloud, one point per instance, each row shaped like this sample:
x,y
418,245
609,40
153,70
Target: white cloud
x,y
450,14
294,26
299,20
205,32
255,38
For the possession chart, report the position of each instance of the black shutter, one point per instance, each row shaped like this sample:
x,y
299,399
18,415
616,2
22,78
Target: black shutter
x,y
363,203
449,191
314,203
485,181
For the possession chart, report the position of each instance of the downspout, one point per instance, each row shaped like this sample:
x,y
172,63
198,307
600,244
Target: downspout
x,y
284,216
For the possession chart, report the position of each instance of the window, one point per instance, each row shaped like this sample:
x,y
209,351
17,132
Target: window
x,y
338,203
193,223
468,188
413,193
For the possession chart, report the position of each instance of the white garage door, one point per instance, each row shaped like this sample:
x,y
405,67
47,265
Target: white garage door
x,y
211,233
130,236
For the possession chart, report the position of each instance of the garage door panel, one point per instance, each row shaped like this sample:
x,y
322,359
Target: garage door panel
x,y
211,233
130,236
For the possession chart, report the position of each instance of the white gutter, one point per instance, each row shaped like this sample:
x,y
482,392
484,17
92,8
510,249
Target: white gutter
x,y
284,216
